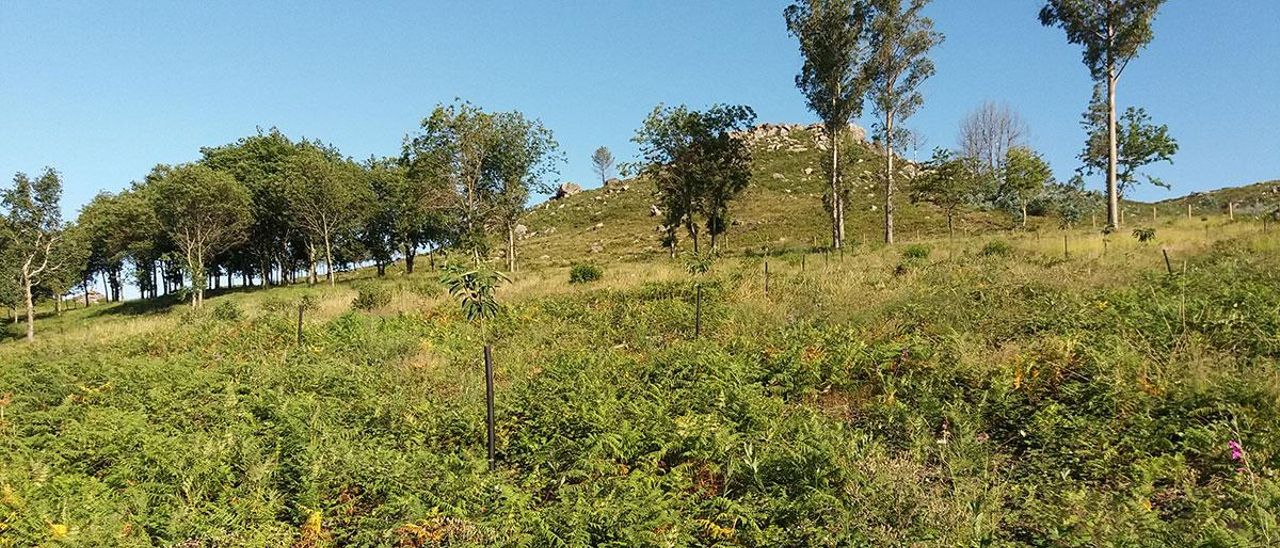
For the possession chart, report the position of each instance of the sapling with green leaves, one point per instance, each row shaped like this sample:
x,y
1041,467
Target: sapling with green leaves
x,y
475,289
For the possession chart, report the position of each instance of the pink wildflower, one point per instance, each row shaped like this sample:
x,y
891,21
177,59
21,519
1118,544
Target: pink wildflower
x,y
1237,451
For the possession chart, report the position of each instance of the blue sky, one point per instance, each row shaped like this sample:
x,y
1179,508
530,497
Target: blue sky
x,y
105,90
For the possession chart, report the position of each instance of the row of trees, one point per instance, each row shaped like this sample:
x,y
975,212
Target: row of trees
x,y
860,51
268,210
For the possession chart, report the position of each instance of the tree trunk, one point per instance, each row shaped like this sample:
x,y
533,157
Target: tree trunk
x,y
951,229
1113,196
888,178
511,248
328,259
837,205
409,255
1024,213
311,264
31,309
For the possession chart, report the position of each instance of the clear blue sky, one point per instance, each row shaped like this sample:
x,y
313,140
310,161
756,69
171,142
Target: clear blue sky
x,y
105,90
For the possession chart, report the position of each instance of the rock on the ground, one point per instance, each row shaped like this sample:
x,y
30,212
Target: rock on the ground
x,y
568,188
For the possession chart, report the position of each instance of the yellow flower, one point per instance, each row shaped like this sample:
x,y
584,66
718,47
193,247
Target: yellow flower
x,y
58,531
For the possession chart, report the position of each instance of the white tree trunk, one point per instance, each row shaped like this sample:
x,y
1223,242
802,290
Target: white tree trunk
x,y
1113,194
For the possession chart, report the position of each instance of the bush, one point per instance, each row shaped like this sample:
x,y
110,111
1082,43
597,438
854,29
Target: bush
x,y
227,311
916,251
996,248
1144,235
371,297
583,273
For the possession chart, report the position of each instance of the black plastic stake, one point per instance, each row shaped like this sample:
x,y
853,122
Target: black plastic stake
x,y
697,315
299,325
1065,252
488,401
1167,265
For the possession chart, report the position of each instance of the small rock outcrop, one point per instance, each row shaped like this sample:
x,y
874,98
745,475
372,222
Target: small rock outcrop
x,y
567,189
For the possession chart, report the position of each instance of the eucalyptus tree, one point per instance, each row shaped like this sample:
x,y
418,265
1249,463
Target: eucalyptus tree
x,y
603,163
1112,33
204,211
900,40
1139,142
326,195
1024,174
698,164
34,224
448,161
831,36
525,153
948,181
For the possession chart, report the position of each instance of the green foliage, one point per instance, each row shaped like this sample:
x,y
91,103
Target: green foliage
x,y
1144,235
948,181
963,407
996,248
1139,142
916,251
585,272
371,296
1024,175
474,289
697,164
227,311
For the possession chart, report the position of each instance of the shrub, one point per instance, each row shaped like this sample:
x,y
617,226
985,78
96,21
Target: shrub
x,y
916,251
371,297
585,272
427,289
227,311
1144,234
996,248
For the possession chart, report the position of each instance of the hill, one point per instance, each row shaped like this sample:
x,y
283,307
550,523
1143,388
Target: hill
x,y
780,209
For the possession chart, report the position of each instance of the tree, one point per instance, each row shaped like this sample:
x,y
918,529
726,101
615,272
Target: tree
x,y
72,252
1024,176
1139,142
947,181
900,39
1112,33
326,195
447,161
697,163
258,162
1071,201
524,153
602,162
35,228
830,33
988,133
204,212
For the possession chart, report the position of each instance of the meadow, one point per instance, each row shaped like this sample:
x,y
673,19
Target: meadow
x,y
986,391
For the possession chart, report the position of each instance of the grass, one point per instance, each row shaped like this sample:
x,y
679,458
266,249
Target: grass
x,y
1028,398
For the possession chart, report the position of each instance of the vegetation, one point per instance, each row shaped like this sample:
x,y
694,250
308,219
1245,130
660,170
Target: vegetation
x,y
698,165
831,41
1112,34
585,272
899,42
961,403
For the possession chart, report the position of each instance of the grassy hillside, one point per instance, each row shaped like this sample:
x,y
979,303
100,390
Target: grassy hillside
x,y
972,393
781,209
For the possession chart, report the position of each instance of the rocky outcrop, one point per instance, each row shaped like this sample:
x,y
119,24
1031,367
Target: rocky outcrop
x,y
567,189
794,137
